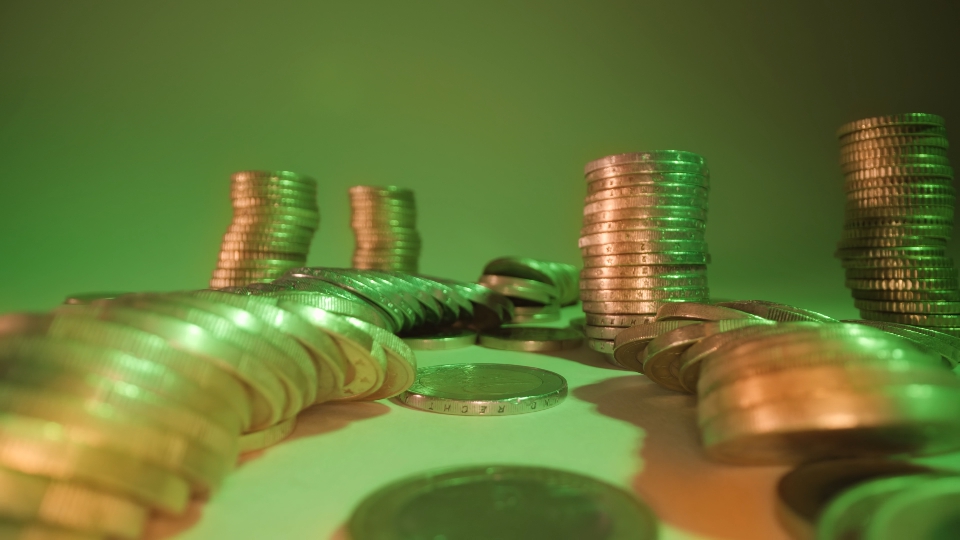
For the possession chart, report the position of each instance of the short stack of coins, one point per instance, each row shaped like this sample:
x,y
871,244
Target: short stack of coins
x,y
275,216
537,288
384,222
642,239
899,217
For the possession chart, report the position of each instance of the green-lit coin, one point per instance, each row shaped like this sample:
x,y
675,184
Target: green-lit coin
x,y
849,514
804,492
531,339
502,503
928,510
484,390
442,341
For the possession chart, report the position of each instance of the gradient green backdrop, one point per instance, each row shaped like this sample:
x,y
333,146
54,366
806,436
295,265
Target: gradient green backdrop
x,y
120,122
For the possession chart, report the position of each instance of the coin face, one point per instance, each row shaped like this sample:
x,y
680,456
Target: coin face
x,y
484,390
502,502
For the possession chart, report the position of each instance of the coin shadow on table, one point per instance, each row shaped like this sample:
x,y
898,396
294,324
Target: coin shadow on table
x,y
685,489
583,355
316,420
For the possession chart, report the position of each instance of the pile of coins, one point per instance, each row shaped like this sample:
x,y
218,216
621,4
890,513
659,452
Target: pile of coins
x,y
899,218
384,222
537,289
642,239
275,215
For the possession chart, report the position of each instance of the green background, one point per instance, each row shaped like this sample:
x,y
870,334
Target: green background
x,y
121,121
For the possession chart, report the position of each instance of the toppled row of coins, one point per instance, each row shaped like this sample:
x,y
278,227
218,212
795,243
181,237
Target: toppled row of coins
x,y
114,408
642,241
779,384
898,220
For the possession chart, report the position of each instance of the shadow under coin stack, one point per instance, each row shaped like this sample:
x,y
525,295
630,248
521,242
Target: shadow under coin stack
x,y
899,218
642,239
275,215
384,222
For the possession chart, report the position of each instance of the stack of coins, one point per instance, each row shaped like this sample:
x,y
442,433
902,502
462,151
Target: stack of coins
x,y
275,215
537,288
899,218
642,239
384,222
800,391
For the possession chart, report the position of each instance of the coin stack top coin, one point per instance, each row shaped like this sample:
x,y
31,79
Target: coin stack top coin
x,y
384,222
642,239
275,215
899,218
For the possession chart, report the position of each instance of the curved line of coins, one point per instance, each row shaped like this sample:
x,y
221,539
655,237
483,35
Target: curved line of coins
x,y
114,408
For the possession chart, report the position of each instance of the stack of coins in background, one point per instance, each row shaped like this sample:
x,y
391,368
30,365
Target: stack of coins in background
x,y
384,222
537,288
899,218
642,239
275,215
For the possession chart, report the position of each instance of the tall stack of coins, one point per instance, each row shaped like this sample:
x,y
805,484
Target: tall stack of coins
x,y
275,215
642,239
797,392
899,218
384,222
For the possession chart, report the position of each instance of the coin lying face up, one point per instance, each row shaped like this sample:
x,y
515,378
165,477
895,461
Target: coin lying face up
x,y
502,503
484,390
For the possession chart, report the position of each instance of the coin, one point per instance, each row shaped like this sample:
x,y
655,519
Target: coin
x,y
661,356
918,119
918,510
442,341
86,298
804,493
630,343
777,312
530,339
504,502
700,312
484,390
605,346
267,437
851,511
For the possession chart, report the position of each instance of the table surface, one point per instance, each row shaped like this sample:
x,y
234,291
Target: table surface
x,y
615,425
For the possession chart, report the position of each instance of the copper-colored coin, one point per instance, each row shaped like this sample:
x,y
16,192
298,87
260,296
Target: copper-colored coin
x,y
641,259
